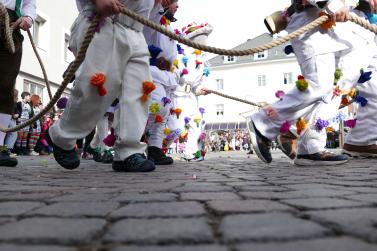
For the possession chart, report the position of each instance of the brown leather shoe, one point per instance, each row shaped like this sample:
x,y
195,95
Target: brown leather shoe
x,y
369,151
288,144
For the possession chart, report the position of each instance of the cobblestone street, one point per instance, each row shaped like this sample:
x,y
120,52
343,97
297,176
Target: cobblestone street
x,y
229,202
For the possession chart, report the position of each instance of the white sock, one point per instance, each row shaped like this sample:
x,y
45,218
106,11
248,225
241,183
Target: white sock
x,y
4,122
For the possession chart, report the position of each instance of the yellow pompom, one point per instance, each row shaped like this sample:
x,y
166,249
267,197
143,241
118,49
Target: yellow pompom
x,y
301,125
154,108
167,131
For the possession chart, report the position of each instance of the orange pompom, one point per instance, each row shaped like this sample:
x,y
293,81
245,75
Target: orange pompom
x,y
328,24
344,101
148,87
301,125
98,80
178,112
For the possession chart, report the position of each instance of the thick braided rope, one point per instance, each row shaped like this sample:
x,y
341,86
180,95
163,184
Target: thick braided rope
x,y
41,64
220,51
71,72
208,91
7,29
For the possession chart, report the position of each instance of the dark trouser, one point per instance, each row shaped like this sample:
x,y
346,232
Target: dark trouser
x,y
9,67
88,139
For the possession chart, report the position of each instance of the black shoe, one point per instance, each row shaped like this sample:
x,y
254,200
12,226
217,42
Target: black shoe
x,y
107,157
261,144
323,158
69,159
156,155
6,159
97,156
134,163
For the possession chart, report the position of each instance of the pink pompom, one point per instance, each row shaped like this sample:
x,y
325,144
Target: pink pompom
x,y
280,94
110,139
271,112
285,127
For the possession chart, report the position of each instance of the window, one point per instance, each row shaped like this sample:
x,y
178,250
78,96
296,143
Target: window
x,y
260,55
229,59
261,80
220,84
68,56
33,88
38,26
288,78
220,110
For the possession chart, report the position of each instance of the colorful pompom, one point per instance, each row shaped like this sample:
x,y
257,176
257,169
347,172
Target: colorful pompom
x,y
187,120
154,51
62,103
167,131
328,24
320,124
280,94
351,123
154,108
271,112
206,71
337,91
301,125
110,139
148,87
158,119
364,77
301,83
361,100
337,75
197,64
180,49
284,128
202,136
197,52
166,101
202,110
288,49
178,112
98,80
184,72
197,121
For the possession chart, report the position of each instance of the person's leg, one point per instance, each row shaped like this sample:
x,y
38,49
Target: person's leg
x,y
10,139
9,69
86,106
155,128
133,112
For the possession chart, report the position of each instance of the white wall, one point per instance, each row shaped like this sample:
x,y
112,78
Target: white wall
x,y
242,81
58,16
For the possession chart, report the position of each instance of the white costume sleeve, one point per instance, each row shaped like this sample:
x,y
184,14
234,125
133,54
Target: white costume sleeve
x,y
332,6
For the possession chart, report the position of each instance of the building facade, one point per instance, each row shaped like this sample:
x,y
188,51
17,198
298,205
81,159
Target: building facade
x,y
255,78
51,33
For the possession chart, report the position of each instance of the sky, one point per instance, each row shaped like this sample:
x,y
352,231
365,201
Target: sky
x,y
234,21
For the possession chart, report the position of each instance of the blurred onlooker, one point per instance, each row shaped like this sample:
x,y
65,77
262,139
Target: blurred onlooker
x,y
44,147
35,130
11,137
24,112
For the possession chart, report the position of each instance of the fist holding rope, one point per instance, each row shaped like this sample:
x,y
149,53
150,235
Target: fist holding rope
x,y
24,23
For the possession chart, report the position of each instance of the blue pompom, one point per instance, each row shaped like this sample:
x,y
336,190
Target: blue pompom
x,y
154,51
364,77
288,49
180,50
361,100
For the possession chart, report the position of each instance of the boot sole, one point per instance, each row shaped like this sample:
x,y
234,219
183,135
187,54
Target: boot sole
x,y
254,142
358,155
308,162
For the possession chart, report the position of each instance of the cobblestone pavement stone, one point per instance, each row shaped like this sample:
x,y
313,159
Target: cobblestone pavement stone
x,y
230,202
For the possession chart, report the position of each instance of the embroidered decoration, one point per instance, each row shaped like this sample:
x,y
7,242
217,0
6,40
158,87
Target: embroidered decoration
x,y
301,125
285,127
110,139
98,80
148,87
280,94
301,83
321,124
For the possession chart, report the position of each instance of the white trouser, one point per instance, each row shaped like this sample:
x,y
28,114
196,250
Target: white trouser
x,y
121,54
11,137
156,130
365,131
189,105
312,103
102,130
